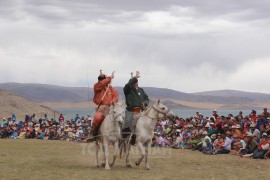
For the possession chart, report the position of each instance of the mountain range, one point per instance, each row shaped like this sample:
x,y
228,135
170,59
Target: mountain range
x,y
79,97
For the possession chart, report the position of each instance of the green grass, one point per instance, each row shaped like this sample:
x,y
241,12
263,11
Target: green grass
x,y
37,159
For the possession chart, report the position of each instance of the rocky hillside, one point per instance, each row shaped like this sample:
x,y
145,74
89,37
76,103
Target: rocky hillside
x,y
11,103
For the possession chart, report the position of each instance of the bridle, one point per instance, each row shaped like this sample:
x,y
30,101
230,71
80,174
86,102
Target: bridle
x,y
158,112
115,117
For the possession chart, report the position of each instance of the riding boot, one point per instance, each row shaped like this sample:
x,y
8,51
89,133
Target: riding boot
x,y
93,134
133,139
126,132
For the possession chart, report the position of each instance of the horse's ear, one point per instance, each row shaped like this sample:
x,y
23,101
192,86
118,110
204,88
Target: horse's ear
x,y
158,101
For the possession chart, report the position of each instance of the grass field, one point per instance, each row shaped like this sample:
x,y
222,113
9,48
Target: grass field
x,y
36,159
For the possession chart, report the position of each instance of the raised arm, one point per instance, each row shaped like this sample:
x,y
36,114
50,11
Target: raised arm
x,y
129,85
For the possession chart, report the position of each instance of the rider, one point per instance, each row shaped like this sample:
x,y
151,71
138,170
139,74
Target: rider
x,y
136,101
104,96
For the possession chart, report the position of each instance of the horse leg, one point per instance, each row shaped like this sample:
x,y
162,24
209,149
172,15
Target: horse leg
x,y
115,153
106,150
97,147
104,158
147,167
127,148
142,150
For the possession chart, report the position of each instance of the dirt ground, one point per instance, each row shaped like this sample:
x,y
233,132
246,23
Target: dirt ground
x,y
37,159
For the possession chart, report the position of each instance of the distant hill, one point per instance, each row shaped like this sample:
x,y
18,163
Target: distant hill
x,y
11,103
233,93
57,96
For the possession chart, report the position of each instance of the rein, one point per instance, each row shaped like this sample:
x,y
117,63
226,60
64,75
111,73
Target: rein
x,y
114,118
158,112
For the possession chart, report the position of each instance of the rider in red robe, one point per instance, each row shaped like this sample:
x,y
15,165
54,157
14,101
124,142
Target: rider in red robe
x,y
104,96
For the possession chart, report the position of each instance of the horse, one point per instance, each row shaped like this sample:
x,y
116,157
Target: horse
x,y
110,132
145,131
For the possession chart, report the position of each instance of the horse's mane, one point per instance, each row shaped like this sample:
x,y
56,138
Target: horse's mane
x,y
147,110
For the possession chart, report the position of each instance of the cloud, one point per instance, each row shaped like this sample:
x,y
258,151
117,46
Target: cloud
x,y
183,45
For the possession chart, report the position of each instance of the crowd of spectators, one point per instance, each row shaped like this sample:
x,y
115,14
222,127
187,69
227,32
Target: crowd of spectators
x,y
45,128
245,136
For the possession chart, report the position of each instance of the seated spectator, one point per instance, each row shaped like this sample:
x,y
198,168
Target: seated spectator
x,y
260,152
226,148
40,135
212,129
216,143
202,142
160,140
208,149
254,131
262,130
260,121
251,144
237,144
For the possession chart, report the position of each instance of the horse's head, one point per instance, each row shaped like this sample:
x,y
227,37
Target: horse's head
x,y
118,112
163,111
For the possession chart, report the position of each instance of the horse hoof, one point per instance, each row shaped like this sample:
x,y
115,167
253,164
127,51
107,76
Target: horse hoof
x,y
108,168
103,164
137,164
128,166
111,164
147,168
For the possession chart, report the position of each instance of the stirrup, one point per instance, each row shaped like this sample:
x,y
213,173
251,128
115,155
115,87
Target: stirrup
x,y
90,139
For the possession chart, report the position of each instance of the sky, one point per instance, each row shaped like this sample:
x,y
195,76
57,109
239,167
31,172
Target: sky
x,y
185,45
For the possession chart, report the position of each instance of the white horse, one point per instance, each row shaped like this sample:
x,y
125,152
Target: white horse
x,y
110,132
145,130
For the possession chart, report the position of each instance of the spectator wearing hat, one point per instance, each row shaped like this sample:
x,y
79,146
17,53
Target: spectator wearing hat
x,y
236,130
194,130
207,127
206,138
226,148
251,145
199,128
201,141
260,152
213,137
225,128
254,131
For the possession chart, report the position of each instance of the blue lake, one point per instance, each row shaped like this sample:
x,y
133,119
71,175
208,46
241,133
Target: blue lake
x,y
71,113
